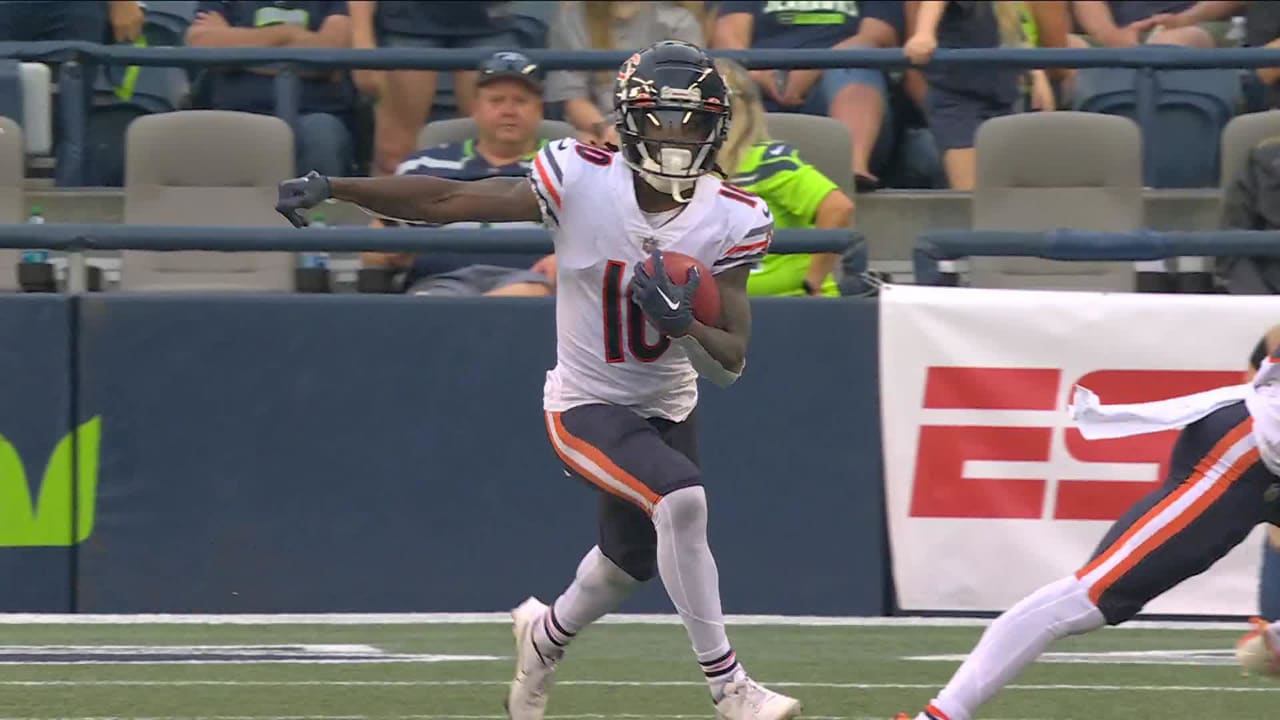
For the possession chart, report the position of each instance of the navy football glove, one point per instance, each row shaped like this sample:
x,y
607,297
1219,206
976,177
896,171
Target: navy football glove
x,y
300,194
668,306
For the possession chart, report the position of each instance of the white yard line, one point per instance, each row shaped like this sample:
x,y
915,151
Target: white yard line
x,y
579,716
613,683
504,618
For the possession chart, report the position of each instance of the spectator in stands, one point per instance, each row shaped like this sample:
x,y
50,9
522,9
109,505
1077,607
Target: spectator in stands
x,y
601,25
1048,26
959,99
1129,23
323,136
404,97
507,112
1251,203
95,22
798,194
1262,19
1262,29
857,97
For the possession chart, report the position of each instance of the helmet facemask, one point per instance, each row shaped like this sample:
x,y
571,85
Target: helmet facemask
x,y
670,146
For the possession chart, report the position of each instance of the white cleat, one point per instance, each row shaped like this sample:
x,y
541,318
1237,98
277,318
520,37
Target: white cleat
x,y
1257,652
527,698
747,699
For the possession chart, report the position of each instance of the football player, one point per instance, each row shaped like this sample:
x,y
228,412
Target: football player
x,y
620,402
1224,480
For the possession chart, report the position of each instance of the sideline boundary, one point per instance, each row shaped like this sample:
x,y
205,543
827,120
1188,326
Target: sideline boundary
x,y
504,618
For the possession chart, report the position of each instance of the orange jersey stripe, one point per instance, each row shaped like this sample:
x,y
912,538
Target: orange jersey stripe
x,y
546,179
1205,463
751,247
613,475
1177,525
1179,522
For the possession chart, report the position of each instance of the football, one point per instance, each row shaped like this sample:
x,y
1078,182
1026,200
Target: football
x,y
1255,655
706,300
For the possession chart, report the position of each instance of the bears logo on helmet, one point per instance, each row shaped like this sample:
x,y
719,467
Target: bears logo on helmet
x,y
672,112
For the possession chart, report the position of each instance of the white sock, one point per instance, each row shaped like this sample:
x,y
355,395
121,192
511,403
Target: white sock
x,y
689,574
598,589
1012,642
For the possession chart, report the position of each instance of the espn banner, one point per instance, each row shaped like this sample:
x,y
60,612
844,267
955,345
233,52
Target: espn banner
x,y
991,492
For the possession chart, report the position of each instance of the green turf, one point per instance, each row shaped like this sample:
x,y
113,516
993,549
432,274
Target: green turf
x,y
809,662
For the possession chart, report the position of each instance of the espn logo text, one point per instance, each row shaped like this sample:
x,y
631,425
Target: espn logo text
x,y
986,422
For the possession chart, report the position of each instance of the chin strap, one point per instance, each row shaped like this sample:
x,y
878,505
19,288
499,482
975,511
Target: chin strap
x,y
667,185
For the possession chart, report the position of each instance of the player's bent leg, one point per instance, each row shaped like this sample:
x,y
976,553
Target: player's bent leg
x,y
633,459
689,573
542,633
598,588
527,695
1012,642
1212,501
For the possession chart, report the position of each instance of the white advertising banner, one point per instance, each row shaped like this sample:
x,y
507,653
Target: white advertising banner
x,y
991,492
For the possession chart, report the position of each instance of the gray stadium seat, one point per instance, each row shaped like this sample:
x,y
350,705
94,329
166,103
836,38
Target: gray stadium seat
x,y
1190,105
821,141
37,107
12,198
1042,171
459,129
1240,136
206,167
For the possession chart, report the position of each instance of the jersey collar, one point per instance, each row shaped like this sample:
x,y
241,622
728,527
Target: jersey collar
x,y
704,192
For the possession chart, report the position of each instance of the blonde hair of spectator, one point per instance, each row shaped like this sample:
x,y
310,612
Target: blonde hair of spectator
x,y
747,125
1009,21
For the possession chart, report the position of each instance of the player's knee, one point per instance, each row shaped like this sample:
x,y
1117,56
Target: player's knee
x,y
598,572
1071,610
636,563
683,510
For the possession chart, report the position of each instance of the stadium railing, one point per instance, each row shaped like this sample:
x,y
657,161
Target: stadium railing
x,y
74,239
935,247
79,59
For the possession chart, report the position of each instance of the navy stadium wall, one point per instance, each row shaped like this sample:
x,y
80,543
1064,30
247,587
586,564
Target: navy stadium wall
x,y
382,454
36,506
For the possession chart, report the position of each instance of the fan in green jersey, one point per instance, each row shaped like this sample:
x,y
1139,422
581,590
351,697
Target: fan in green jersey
x,y
797,193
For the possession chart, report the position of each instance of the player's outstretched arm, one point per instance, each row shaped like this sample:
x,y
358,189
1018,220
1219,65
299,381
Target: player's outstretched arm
x,y
416,198
720,354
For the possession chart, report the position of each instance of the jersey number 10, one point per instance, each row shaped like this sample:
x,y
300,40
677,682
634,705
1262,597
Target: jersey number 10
x,y
614,299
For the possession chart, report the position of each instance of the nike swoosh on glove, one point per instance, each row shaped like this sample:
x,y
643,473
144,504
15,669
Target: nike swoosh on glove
x,y
668,306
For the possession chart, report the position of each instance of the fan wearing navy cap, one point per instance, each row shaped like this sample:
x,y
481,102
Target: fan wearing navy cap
x,y
507,111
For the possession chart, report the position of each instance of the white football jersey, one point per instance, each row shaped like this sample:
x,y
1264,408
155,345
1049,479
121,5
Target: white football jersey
x,y
1263,402
606,351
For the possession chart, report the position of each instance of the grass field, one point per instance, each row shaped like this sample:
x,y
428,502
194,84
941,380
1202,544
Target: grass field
x,y
459,671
